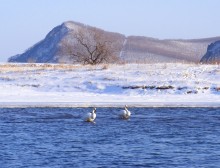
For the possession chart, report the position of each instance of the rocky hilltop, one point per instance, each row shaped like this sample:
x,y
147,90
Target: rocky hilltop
x,y
213,54
134,49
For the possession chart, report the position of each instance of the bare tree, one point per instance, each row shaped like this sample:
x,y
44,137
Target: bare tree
x,y
90,47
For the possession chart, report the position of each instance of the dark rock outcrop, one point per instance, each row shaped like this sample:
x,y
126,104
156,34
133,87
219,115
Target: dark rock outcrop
x,y
212,55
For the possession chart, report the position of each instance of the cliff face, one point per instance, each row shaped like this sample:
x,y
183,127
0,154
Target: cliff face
x,y
213,53
134,49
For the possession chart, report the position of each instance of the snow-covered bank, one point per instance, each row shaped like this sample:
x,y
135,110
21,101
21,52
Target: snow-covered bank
x,y
108,104
109,85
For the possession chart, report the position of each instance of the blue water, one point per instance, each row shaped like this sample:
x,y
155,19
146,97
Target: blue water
x,y
153,137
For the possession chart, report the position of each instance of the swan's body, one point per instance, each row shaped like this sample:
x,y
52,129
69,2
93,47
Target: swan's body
x,y
125,114
91,116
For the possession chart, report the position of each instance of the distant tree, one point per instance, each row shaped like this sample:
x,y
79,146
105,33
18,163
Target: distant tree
x,y
90,47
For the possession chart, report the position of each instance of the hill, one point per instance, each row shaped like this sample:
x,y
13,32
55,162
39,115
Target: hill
x,y
133,49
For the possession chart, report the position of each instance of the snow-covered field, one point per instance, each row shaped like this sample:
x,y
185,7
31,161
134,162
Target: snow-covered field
x,y
109,85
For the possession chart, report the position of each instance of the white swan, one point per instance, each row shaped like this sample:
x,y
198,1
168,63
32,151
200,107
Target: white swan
x,y
125,114
91,116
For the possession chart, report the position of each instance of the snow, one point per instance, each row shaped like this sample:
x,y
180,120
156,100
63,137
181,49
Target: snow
x,y
109,85
121,55
72,26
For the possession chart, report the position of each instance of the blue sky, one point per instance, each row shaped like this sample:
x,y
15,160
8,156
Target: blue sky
x,y
25,22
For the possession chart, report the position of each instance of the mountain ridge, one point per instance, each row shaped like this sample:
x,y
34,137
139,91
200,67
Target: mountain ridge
x,y
133,48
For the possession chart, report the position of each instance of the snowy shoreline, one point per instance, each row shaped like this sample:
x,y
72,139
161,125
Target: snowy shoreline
x,y
137,85
109,105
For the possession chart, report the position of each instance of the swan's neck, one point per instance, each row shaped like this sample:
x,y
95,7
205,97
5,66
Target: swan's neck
x,y
126,109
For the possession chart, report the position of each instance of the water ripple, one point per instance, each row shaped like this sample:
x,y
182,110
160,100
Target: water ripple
x,y
153,137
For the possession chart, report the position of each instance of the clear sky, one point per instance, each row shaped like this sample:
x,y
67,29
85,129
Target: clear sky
x,y
25,22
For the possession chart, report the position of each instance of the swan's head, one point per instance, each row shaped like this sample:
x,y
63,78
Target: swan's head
x,y
126,106
94,109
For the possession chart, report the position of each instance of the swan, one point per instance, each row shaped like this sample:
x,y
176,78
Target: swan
x,y
91,116
125,114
